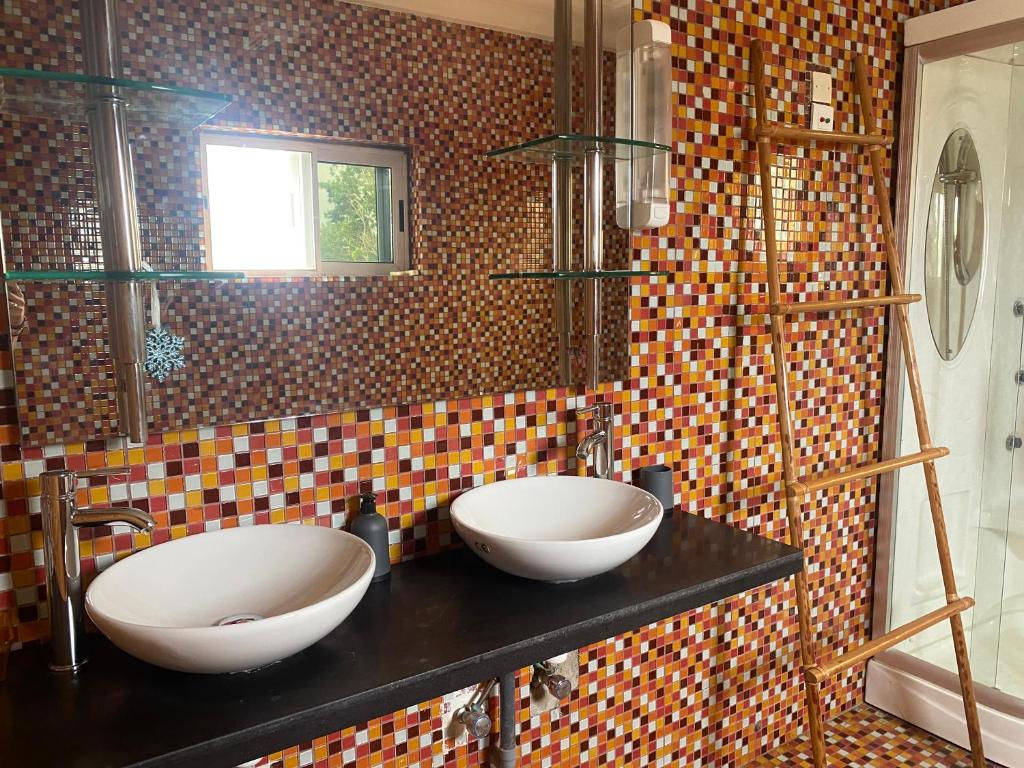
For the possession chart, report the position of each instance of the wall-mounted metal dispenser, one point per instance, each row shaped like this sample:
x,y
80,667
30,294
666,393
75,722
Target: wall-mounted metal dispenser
x,y
643,111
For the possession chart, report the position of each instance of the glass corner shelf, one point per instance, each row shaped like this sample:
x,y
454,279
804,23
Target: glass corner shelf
x,y
67,95
602,274
574,147
114,276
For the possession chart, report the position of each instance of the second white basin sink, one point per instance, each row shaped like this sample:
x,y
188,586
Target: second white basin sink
x,y
557,528
231,600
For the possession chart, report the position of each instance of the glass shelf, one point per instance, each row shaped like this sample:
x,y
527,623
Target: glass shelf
x,y
114,276
603,274
67,95
575,146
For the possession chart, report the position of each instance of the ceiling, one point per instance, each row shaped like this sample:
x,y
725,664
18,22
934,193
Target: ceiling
x,y
533,18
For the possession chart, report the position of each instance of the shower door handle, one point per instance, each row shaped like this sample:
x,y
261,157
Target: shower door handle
x,y
1013,442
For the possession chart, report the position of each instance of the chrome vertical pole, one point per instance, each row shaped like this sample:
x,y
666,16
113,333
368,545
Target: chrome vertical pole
x,y
119,221
561,189
593,181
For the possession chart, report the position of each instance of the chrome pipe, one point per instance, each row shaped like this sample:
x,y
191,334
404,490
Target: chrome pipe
x,y
593,172
593,62
563,66
119,220
101,44
561,189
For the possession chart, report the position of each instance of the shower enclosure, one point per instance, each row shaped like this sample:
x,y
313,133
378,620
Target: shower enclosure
x,y
961,210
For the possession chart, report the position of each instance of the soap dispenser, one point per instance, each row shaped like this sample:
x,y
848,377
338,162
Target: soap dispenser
x,y
372,528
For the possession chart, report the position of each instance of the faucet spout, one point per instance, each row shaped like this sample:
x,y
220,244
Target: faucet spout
x,y
598,442
130,516
587,445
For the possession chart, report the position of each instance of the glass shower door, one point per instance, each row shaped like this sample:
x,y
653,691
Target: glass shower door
x,y
968,345
998,558
1009,640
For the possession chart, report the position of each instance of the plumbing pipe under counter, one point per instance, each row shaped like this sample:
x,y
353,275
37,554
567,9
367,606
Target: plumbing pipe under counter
x,y
440,623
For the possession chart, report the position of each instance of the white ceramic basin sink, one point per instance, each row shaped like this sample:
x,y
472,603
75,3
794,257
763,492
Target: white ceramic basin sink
x,y
558,528
231,600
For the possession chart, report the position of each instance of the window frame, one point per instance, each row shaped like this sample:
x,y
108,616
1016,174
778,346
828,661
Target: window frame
x,y
326,150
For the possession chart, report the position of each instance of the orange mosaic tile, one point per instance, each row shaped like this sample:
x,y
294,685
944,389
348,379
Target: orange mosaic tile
x,y
714,687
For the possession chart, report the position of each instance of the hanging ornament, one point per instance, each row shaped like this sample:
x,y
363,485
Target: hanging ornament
x,y
163,348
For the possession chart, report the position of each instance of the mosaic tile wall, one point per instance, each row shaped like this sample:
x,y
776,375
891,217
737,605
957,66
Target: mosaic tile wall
x,y
396,79
714,687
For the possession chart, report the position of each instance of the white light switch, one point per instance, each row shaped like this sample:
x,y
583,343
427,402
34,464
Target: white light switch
x,y
822,117
821,87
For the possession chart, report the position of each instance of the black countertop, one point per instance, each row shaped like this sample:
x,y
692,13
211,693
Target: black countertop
x,y
440,623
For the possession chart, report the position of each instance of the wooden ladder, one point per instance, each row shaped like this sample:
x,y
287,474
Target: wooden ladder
x,y
818,672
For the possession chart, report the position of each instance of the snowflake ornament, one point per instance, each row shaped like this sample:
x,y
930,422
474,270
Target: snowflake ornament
x,y
163,353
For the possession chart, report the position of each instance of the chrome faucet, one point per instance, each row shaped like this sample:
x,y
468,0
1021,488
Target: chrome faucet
x,y
598,442
61,521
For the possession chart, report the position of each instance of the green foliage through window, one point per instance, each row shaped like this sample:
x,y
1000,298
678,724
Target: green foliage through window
x,y
355,213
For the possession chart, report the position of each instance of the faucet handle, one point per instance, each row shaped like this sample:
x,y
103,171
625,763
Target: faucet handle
x,y
104,472
603,409
86,474
64,482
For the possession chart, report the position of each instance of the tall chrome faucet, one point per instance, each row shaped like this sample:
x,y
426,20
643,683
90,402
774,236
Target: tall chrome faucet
x,y
61,521
599,441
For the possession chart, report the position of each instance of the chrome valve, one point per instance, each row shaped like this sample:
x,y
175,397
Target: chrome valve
x,y
476,721
557,685
472,716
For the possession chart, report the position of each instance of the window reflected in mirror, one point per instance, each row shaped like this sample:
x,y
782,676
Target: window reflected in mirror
x,y
284,205
354,213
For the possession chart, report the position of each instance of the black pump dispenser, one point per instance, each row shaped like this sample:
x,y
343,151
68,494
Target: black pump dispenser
x,y
372,527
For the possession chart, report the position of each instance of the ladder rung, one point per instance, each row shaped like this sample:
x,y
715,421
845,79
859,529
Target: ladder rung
x,y
810,485
796,308
796,134
824,671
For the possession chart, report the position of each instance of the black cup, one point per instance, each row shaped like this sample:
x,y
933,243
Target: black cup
x,y
657,480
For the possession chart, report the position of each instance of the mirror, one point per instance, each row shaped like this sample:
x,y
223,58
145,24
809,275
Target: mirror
x,y
287,345
955,244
